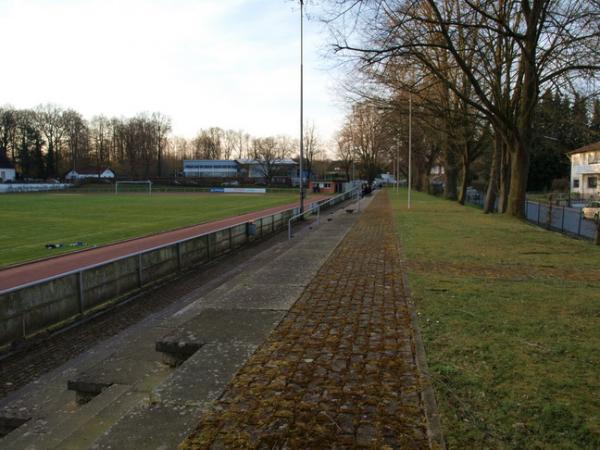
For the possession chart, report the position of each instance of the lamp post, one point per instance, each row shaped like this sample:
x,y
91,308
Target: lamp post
x,y
409,146
301,105
397,165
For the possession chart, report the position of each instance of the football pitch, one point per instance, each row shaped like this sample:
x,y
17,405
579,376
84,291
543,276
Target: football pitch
x,y
28,222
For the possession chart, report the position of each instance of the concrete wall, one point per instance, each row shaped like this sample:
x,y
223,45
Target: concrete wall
x,y
53,304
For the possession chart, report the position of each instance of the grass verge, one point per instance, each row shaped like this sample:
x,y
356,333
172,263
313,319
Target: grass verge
x,y
29,221
510,317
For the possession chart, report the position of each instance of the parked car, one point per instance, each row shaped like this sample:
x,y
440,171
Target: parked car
x,y
592,211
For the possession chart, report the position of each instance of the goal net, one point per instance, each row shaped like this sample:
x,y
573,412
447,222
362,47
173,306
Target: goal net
x,y
133,186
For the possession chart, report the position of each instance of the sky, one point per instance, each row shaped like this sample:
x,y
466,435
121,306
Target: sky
x,y
225,63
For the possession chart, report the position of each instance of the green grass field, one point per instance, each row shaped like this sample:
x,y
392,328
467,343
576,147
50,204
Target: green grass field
x,y
29,221
510,317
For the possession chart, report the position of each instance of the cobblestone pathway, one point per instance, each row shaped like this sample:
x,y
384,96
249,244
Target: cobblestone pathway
x,y
339,371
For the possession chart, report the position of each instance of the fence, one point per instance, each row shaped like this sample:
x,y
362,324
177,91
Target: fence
x,y
32,187
324,204
560,218
55,302
563,219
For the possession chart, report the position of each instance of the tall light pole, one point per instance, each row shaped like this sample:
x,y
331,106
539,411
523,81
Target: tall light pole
x,y
397,165
409,145
301,105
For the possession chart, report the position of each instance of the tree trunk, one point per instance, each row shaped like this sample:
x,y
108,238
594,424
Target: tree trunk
x,y
451,175
425,184
492,188
518,180
466,166
504,179
159,165
417,177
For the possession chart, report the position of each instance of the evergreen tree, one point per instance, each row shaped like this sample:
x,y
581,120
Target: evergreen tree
x,y
595,122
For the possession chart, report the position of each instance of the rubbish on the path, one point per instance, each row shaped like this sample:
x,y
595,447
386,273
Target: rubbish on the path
x,y
78,244
53,245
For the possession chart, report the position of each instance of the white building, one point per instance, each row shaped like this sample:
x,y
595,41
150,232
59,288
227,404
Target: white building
x,y
81,174
585,171
7,170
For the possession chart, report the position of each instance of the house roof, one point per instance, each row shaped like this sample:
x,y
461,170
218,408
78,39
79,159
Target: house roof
x,y
228,162
283,162
91,171
5,163
595,147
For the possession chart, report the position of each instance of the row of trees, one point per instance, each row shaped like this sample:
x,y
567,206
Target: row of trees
x,y
475,70
48,141
373,140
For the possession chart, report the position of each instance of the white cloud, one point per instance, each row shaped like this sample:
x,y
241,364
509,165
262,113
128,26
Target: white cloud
x,y
228,63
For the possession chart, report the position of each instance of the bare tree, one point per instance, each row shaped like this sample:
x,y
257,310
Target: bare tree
x,y
543,42
49,120
268,153
8,129
162,126
207,144
345,151
100,135
231,142
368,137
76,137
312,147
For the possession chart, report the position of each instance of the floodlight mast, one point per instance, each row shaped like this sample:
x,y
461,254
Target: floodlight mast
x,y
409,146
301,105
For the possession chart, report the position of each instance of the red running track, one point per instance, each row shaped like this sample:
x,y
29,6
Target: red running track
x,y
40,270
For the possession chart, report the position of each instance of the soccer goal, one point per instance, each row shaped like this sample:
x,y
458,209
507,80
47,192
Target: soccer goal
x,y
133,186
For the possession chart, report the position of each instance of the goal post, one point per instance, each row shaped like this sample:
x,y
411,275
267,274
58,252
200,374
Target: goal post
x,y
147,186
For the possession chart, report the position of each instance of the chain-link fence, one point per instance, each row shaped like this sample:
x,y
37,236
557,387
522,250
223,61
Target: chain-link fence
x,y
560,218
557,218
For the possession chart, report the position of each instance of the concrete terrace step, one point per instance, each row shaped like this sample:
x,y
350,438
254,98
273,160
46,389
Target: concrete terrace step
x,y
52,431
135,400
136,364
212,326
230,323
179,400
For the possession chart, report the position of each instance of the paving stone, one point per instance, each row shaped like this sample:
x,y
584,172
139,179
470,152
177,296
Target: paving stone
x,y
339,370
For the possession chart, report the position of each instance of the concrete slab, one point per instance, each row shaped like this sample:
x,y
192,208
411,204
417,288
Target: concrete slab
x,y
213,325
157,426
86,434
178,402
203,376
263,296
50,432
218,325
111,371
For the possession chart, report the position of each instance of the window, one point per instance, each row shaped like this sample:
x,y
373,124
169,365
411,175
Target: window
x,y
576,183
594,158
592,182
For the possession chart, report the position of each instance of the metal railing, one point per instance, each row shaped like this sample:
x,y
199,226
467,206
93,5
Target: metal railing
x,y
317,206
